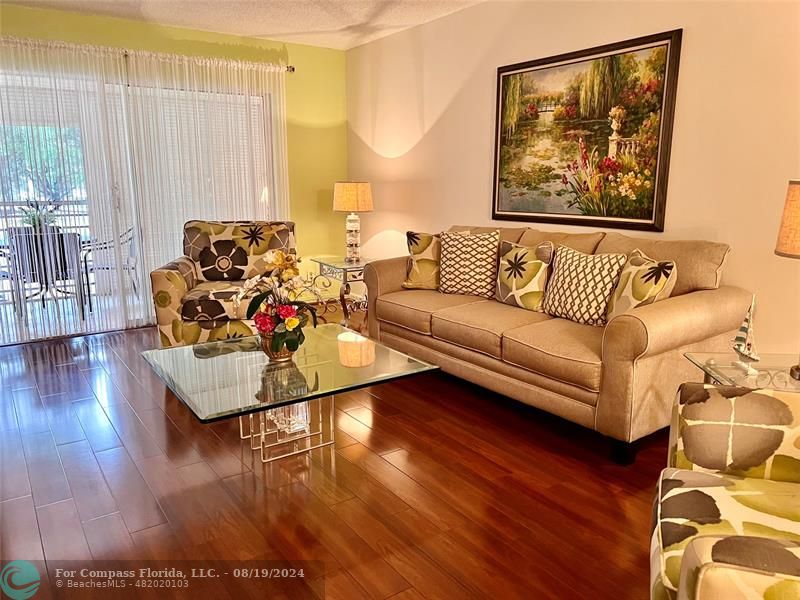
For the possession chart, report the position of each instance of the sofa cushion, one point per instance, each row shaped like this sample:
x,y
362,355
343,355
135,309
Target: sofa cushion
x,y
507,234
233,250
522,274
699,263
582,242
561,349
691,504
469,263
424,250
480,327
413,309
213,301
582,285
642,282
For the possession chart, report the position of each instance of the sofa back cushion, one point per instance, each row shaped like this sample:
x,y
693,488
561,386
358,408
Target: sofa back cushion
x,y
507,234
582,242
699,263
234,250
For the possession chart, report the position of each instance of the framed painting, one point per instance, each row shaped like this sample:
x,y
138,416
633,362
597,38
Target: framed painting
x,y
584,138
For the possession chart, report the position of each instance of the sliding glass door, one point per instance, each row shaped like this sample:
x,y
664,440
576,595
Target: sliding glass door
x,y
103,156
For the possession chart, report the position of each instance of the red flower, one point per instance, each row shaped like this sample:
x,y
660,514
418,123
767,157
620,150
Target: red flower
x,y
264,322
564,179
286,310
610,165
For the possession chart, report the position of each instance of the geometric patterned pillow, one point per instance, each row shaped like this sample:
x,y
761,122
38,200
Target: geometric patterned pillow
x,y
522,274
424,249
469,263
643,281
581,285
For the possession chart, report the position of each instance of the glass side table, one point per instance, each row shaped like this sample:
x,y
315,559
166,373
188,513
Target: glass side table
x,y
336,267
725,368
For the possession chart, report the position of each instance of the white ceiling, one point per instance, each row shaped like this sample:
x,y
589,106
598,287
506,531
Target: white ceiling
x,y
340,24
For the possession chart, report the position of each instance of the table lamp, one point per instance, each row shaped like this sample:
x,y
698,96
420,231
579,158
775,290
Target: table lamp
x,y
789,236
352,197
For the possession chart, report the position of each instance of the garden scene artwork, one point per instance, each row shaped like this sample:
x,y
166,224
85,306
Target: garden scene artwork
x,y
584,138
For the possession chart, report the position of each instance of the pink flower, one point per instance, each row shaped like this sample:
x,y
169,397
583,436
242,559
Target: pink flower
x,y
264,322
564,179
286,310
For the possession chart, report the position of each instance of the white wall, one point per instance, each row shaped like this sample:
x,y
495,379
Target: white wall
x,y
421,116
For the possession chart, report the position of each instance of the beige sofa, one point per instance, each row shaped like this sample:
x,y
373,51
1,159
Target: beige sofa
x,y
619,379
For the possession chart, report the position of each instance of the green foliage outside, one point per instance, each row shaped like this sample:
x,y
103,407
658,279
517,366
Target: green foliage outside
x,y
41,166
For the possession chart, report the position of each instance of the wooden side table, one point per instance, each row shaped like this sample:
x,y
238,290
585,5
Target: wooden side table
x,y
336,267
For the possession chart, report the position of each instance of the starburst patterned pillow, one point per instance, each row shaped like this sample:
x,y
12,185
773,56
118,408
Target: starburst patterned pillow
x,y
642,281
522,274
424,250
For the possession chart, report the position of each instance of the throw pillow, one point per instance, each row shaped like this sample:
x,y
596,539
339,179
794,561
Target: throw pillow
x,y
469,263
643,281
522,274
424,249
582,284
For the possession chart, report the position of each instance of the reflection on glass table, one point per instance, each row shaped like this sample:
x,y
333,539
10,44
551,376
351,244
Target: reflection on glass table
x,y
726,368
279,402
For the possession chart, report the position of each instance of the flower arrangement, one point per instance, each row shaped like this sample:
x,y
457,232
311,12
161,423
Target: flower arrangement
x,y
608,186
278,313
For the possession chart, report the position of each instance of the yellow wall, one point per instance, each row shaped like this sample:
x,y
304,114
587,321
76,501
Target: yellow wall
x,y
315,100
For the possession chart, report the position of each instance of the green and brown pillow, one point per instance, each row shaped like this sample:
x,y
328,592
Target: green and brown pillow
x,y
642,281
234,250
424,250
522,274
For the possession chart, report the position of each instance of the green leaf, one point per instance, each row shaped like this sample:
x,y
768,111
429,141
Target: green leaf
x,y
256,303
277,343
292,343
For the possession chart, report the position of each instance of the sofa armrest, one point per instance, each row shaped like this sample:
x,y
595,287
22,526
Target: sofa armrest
x,y
736,430
734,566
675,322
170,284
382,277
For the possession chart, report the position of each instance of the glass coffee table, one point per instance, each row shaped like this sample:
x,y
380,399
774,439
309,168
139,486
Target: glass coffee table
x,y
283,408
725,368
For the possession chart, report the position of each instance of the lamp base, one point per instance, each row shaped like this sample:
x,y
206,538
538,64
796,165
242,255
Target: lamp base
x,y
353,238
794,372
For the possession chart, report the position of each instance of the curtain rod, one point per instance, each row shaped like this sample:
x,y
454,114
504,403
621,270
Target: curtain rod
x,y
32,42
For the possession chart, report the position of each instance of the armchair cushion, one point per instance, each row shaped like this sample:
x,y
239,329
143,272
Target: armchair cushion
x,y
754,433
234,250
213,301
691,504
738,567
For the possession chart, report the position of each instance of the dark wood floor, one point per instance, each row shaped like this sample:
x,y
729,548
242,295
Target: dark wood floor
x,y
435,489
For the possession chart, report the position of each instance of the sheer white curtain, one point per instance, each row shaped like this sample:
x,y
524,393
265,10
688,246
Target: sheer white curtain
x,y
104,154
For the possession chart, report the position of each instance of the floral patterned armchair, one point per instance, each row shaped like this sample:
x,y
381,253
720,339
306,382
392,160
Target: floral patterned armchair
x,y
193,295
726,521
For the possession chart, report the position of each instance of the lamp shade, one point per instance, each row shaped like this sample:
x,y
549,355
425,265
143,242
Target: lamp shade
x,y
789,234
355,350
352,196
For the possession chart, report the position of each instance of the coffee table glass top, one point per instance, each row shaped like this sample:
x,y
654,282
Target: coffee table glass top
x,y
223,379
771,372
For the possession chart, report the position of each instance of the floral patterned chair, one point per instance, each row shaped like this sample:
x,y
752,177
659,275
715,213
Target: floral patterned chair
x,y
193,295
726,522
